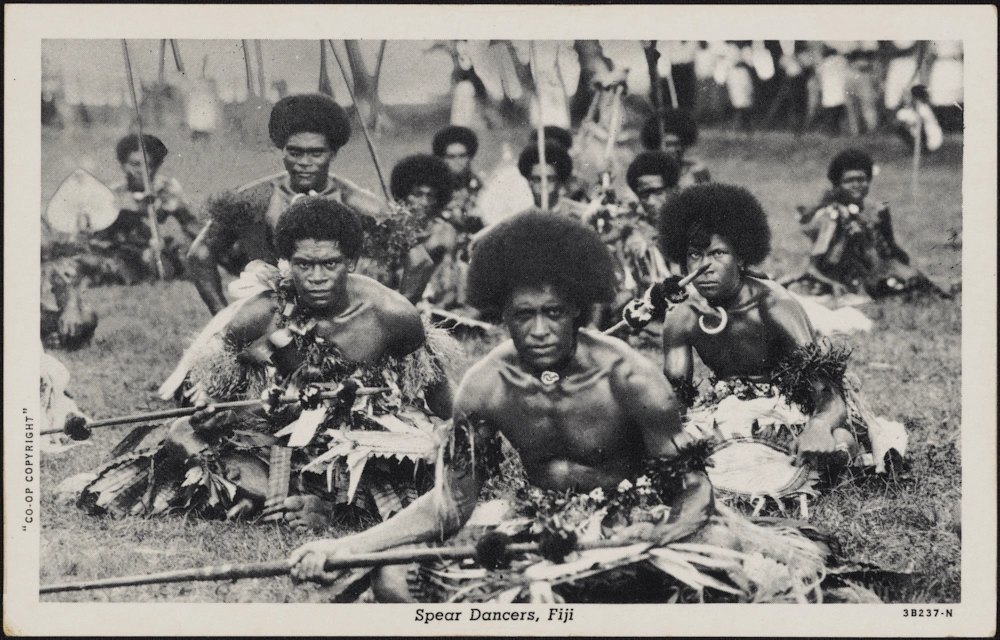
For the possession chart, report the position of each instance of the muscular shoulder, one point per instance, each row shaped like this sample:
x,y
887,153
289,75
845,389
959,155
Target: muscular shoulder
x,y
627,366
679,323
781,308
358,198
394,312
242,206
255,318
482,382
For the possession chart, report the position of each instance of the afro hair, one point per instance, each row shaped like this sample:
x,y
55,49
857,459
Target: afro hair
x,y
319,218
653,163
419,170
849,160
698,212
309,113
533,249
450,135
156,151
557,135
555,154
677,123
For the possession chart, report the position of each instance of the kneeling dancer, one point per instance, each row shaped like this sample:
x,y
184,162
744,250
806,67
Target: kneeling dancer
x,y
773,383
313,325
597,429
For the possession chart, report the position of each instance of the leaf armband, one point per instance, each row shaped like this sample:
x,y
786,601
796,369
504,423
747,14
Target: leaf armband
x,y
817,362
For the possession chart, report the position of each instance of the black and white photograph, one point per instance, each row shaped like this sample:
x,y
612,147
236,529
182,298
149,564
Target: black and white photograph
x,y
500,328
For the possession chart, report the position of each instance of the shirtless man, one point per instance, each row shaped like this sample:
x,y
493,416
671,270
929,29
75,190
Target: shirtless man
x,y
675,136
322,314
424,184
725,228
583,410
558,170
309,130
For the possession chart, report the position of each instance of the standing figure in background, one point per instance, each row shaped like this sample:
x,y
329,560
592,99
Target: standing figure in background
x,y
675,135
309,129
852,251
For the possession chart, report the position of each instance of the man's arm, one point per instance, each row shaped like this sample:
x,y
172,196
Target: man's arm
x,y
363,201
830,413
436,515
204,268
678,360
652,406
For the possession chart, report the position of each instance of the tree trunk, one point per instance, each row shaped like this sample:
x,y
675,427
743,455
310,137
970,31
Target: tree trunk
x,y
592,62
365,84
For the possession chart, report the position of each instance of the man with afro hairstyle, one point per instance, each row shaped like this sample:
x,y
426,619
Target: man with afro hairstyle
x,y
851,251
761,327
558,170
309,130
313,321
424,184
458,146
127,240
583,410
675,133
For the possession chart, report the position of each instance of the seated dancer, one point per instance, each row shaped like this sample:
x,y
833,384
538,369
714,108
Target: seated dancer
x,y
457,146
557,170
762,348
309,129
675,133
597,429
423,184
313,324
121,253
851,252
652,177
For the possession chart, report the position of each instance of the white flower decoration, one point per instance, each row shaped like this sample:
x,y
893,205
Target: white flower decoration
x,y
284,268
624,486
643,481
597,495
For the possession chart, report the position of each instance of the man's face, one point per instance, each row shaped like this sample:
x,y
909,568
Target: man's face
x,y
855,183
551,177
307,158
133,170
652,194
456,156
319,273
672,146
422,199
722,278
541,324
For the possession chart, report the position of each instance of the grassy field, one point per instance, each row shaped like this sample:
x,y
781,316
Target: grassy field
x,y
910,365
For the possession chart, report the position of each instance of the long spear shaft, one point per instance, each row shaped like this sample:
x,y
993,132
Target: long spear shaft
x,y
543,164
364,127
246,62
147,181
177,56
283,567
187,411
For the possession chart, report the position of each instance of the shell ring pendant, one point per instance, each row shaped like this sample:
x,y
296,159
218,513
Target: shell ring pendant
x,y
722,323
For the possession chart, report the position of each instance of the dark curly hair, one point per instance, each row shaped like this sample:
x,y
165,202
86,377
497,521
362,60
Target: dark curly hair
x,y
557,135
849,160
318,218
678,123
450,135
419,170
698,212
653,163
535,248
309,113
156,151
555,154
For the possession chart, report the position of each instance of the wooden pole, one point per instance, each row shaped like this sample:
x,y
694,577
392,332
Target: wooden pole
x,y
541,127
283,567
162,73
917,147
147,181
176,49
187,411
259,51
685,281
246,62
364,127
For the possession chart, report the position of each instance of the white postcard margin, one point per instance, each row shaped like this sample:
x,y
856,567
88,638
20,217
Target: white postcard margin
x,y
976,26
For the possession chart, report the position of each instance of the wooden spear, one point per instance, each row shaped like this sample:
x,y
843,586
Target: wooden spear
x,y
541,127
364,127
147,181
77,424
283,567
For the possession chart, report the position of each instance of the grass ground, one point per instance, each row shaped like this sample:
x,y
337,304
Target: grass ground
x,y
910,366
